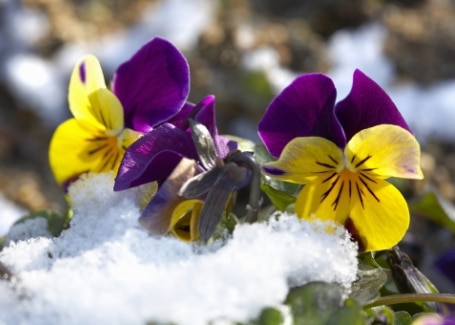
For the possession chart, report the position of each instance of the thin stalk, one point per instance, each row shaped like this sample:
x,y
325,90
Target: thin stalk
x,y
444,298
255,201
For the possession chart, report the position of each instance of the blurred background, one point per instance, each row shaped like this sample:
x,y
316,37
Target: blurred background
x,y
244,52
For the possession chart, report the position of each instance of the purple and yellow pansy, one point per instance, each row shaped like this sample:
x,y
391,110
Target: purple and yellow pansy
x,y
147,90
343,153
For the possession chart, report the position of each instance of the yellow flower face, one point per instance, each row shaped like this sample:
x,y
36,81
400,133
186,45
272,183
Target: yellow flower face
x,y
348,185
95,139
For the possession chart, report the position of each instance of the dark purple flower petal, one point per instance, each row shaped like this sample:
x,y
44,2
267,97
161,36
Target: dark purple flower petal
x,y
304,108
154,156
180,120
205,114
446,264
365,106
153,85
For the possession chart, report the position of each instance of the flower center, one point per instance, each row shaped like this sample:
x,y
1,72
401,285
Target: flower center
x,y
348,182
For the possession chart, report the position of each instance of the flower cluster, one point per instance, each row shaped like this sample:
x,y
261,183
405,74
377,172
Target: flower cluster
x,y
145,130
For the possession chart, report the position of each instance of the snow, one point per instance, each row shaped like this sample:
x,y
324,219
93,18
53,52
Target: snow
x,y
106,269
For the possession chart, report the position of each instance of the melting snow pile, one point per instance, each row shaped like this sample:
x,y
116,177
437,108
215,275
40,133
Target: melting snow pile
x,y
105,269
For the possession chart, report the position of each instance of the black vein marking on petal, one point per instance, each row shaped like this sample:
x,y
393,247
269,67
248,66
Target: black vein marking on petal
x,y
333,159
98,138
324,164
329,178
367,178
367,169
337,199
350,189
363,161
99,148
324,196
360,194
369,189
103,120
353,158
321,172
114,160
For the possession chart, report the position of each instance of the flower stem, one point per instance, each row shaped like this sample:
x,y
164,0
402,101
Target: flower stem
x,y
444,298
255,201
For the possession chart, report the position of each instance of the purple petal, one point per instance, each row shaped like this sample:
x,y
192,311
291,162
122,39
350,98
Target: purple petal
x,y
205,114
304,108
180,120
365,106
446,264
153,85
154,156
224,146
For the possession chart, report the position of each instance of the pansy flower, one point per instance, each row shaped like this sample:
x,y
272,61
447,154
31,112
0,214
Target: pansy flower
x,y
173,154
192,200
343,153
147,90
156,154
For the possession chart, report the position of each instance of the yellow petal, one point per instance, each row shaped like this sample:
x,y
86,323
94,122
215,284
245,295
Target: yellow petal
x,y
384,151
382,219
185,220
326,198
77,147
305,159
128,136
90,100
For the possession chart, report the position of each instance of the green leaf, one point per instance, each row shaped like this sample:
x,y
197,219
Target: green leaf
x,y
270,316
280,199
435,208
280,193
351,314
262,155
402,318
315,302
380,315
369,281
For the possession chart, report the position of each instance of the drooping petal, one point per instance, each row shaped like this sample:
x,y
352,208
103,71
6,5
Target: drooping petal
x,y
304,159
185,220
153,156
304,108
381,220
156,216
153,85
231,178
78,147
365,106
384,151
200,184
89,100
